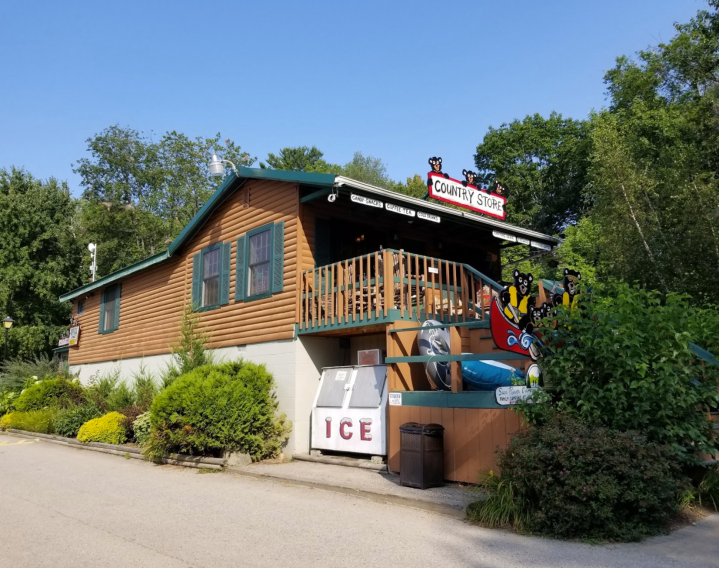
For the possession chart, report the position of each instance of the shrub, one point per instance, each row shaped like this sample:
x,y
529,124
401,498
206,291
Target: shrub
x,y
69,421
121,397
15,372
217,408
101,388
708,490
625,362
144,389
42,421
50,392
190,351
7,400
571,480
108,429
141,428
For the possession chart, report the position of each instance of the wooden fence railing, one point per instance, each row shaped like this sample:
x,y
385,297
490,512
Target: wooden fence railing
x,y
392,284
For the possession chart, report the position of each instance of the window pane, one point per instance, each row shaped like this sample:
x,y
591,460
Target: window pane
x,y
260,248
211,292
260,279
211,262
109,320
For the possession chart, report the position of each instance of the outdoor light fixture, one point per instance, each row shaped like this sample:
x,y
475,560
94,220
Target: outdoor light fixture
x,y
217,168
7,324
332,197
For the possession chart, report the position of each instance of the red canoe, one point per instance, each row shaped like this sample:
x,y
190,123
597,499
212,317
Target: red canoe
x,y
506,333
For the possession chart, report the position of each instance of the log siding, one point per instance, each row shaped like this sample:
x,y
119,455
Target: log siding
x,y
153,299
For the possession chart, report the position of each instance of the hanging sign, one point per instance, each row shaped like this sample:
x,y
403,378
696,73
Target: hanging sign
x,y
399,209
395,399
63,342
367,201
428,217
74,337
541,246
504,236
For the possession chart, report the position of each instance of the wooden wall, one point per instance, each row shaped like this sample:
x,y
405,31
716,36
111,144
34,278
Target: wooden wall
x,y
471,437
153,299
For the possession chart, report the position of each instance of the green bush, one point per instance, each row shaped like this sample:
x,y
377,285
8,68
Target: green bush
x,y
50,392
217,408
108,429
570,480
141,428
7,400
15,372
625,362
42,421
121,397
69,421
708,490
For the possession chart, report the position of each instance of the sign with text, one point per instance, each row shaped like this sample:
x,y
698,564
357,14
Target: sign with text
x,y
428,217
399,209
507,396
395,399
367,201
74,335
466,195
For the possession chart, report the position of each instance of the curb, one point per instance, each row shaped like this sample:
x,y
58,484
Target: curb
x,y
448,510
347,462
118,450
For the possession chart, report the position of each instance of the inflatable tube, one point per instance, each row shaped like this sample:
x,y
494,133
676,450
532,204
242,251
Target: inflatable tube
x,y
477,375
435,342
488,375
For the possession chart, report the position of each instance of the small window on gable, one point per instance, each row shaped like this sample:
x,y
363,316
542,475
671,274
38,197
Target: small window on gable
x,y
110,309
80,307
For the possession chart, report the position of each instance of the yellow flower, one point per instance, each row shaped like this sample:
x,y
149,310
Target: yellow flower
x,y
491,472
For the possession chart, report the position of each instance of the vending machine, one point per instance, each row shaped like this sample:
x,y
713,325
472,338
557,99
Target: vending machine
x,y
349,410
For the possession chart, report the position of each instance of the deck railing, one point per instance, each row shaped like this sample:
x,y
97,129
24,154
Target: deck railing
x,y
392,284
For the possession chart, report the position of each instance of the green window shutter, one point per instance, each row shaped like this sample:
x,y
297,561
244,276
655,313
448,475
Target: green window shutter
x,y
196,281
118,293
225,253
240,270
278,257
322,242
100,327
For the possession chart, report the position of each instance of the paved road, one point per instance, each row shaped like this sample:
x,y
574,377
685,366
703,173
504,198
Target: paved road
x,y
62,507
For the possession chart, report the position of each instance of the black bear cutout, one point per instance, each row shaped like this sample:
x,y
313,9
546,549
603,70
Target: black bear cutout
x,y
571,277
470,178
516,299
436,165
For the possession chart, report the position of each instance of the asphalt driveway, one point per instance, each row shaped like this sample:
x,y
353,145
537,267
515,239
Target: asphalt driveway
x,y
63,507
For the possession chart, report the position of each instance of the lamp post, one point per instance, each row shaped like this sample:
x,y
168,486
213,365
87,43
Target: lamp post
x,y
7,324
92,247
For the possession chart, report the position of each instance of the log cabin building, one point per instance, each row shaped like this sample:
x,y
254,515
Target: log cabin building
x,y
284,276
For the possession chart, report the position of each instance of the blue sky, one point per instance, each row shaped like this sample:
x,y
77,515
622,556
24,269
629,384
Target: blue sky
x,y
401,81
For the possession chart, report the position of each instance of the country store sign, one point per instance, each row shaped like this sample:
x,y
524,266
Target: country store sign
x,y
463,193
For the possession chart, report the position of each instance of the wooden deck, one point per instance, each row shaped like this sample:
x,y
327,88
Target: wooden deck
x,y
391,285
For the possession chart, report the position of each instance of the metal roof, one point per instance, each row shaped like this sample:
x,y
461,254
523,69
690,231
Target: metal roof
x,y
233,182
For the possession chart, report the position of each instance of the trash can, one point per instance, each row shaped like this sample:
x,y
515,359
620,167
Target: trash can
x,y
421,455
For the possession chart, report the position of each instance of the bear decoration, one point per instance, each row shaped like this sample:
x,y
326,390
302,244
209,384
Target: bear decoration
x,y
436,165
567,298
517,299
470,178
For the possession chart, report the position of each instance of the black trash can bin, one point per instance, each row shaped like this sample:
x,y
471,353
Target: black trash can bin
x,y
421,455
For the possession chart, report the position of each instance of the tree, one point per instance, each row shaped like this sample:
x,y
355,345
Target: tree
x,y
368,170
40,258
300,159
543,164
139,194
416,186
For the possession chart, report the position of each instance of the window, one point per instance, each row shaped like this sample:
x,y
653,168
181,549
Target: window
x,y
259,263
110,309
259,268
80,307
211,278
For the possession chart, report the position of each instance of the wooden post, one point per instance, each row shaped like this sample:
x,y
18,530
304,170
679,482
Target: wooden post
x,y
401,284
455,348
387,284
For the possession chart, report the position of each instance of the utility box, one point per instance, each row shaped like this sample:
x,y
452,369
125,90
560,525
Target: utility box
x,y
350,409
421,455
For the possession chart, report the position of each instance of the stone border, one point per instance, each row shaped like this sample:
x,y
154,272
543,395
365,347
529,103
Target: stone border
x,y
119,450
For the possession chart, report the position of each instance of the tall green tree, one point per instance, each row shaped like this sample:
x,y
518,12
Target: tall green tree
x,y
300,159
367,169
139,193
542,163
40,258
